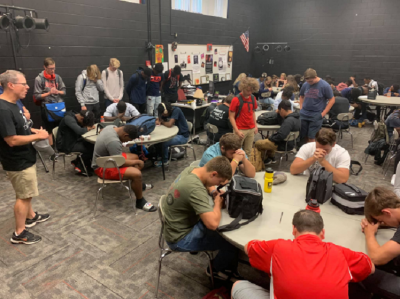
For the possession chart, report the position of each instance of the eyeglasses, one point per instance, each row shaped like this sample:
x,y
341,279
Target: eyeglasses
x,y
24,84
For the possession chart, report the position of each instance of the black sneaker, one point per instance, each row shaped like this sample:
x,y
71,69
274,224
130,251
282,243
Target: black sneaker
x,y
38,218
270,161
25,238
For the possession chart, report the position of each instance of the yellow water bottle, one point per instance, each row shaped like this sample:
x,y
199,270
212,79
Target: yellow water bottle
x,y
268,180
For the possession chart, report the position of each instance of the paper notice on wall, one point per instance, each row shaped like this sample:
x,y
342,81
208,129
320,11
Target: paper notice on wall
x,y
196,69
222,62
209,64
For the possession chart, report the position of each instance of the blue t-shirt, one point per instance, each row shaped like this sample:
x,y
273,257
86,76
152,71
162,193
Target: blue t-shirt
x,y
180,122
315,97
153,89
212,152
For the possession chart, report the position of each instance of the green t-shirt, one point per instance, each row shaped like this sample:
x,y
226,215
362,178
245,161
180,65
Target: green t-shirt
x,y
185,200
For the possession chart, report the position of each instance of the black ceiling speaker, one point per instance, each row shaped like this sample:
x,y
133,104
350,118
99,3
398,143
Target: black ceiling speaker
x,y
4,22
42,24
26,22
286,48
266,48
278,48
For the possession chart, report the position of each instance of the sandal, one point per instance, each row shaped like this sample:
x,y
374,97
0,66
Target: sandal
x,y
148,207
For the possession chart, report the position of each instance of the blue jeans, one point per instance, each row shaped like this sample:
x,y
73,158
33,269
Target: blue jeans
x,y
310,124
200,238
266,101
178,139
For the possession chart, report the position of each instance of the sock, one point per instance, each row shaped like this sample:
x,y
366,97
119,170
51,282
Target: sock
x,y
140,203
16,234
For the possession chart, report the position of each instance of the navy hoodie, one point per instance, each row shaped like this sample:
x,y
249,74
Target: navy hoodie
x,y
136,88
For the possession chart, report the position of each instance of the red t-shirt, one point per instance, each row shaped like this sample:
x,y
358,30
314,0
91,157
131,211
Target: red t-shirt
x,y
245,121
308,268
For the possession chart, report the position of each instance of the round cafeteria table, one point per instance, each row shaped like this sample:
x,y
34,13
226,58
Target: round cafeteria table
x,y
288,198
159,135
381,100
262,128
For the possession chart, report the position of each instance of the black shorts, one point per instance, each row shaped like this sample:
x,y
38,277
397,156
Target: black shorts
x,y
47,125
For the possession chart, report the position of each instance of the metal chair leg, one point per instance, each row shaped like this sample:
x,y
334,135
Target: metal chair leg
x,y
211,269
130,195
54,167
159,271
64,161
194,153
84,166
352,146
280,162
44,164
95,203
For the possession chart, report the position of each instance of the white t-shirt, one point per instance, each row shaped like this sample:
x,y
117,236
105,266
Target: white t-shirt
x,y
373,84
338,157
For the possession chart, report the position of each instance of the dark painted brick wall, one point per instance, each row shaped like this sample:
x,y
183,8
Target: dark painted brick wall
x,y
84,32
339,38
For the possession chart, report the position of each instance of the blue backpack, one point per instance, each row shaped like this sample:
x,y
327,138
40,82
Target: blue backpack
x,y
145,124
55,111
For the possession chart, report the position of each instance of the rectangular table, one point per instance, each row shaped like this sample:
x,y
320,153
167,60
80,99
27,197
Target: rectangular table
x,y
289,197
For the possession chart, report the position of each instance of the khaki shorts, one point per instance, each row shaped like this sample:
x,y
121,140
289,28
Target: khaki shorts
x,y
24,182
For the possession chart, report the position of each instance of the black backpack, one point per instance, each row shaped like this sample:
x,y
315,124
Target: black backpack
x,y
268,118
241,103
349,198
319,185
244,198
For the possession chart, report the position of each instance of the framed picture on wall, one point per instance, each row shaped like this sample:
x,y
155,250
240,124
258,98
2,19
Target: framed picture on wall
x,y
227,77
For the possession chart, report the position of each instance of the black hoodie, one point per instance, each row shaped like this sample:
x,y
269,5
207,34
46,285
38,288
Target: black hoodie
x,y
69,132
290,124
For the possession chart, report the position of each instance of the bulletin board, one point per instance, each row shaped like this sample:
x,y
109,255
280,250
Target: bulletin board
x,y
202,63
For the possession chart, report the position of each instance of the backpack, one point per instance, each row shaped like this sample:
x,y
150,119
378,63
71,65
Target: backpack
x,y
381,87
145,124
178,152
55,111
119,74
256,159
334,124
380,133
244,198
169,76
349,198
268,118
241,103
319,185
39,102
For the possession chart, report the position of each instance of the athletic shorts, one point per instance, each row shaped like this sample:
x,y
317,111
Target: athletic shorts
x,y
111,173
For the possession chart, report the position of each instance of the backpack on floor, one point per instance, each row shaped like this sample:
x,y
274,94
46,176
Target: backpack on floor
x,y
178,152
145,124
268,118
243,201
349,198
334,124
319,185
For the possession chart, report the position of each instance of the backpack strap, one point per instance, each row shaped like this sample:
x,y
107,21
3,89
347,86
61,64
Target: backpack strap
x,y
235,223
84,81
106,74
241,102
119,74
355,163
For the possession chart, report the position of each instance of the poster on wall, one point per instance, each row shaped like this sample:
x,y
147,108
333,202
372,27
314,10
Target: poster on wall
x,y
209,64
195,59
159,53
230,56
215,77
222,63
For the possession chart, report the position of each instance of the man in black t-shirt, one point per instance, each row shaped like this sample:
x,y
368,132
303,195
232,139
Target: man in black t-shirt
x,y
382,207
18,156
219,117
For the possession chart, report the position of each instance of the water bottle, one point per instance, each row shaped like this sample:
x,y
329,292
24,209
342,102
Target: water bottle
x,y
313,205
268,180
102,119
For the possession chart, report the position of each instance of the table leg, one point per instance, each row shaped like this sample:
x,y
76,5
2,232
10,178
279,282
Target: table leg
x,y
194,124
162,161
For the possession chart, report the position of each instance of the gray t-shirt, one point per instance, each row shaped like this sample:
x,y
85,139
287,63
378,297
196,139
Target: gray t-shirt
x,y
107,144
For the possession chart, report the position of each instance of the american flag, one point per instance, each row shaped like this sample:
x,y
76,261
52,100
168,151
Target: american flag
x,y
245,40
